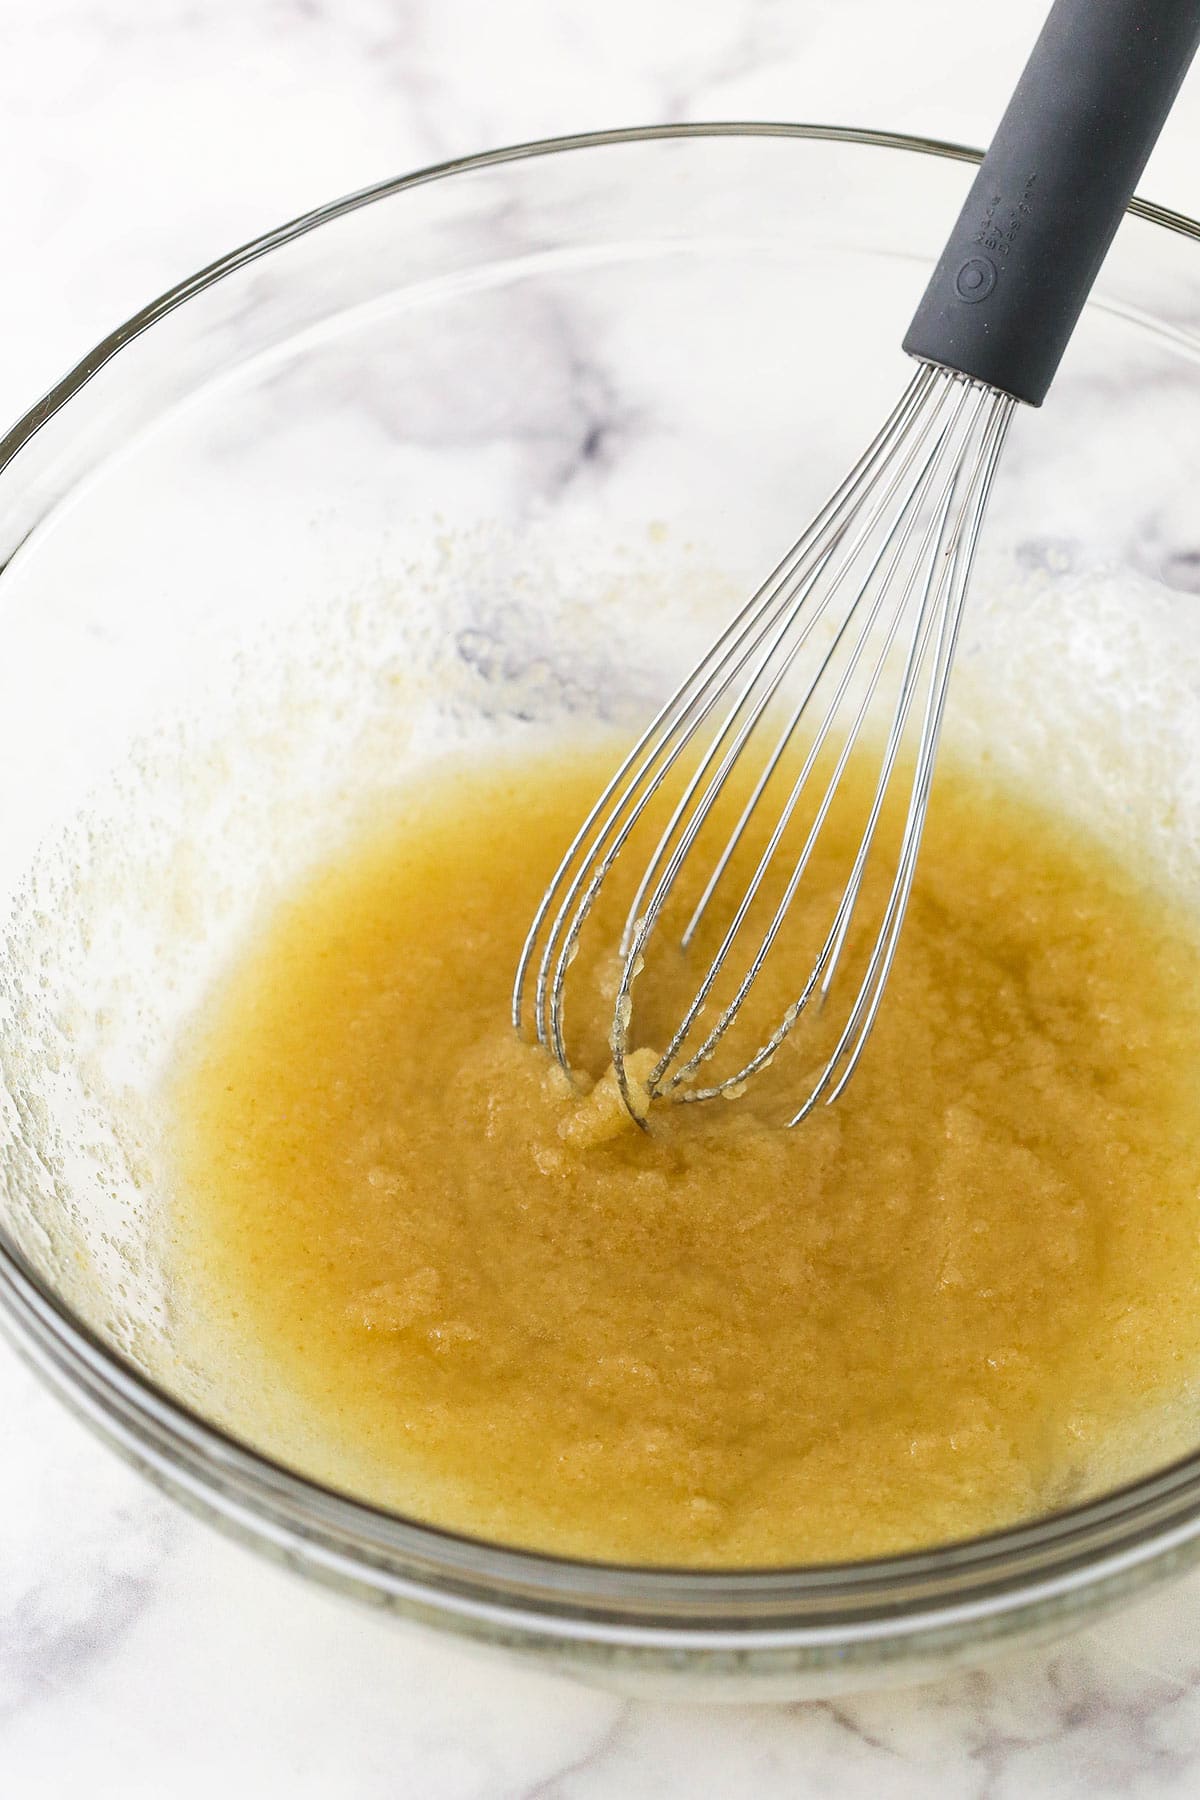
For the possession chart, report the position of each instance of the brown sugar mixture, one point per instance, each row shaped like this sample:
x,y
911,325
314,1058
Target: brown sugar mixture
x,y
433,1275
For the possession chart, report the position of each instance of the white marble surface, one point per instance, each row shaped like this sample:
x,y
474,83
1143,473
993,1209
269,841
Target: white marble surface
x,y
140,1654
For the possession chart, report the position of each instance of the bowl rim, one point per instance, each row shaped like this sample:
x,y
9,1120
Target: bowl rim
x,y
945,1587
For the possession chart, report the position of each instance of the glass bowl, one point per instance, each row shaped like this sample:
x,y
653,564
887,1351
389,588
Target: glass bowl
x,y
459,459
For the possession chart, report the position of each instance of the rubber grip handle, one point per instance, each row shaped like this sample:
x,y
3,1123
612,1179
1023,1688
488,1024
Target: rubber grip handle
x,y
1045,205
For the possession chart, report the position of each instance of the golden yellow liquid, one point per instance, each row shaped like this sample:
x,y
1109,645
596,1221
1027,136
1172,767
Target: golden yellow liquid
x,y
427,1272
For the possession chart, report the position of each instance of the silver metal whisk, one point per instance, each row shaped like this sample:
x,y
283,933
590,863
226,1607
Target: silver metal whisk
x,y
887,557
874,590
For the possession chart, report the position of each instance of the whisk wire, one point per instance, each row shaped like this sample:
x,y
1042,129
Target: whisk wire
x,y
654,747
898,540
840,925
930,617
900,529
641,918
853,1040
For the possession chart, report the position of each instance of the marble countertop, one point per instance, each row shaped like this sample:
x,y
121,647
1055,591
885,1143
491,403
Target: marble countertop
x,y
139,1653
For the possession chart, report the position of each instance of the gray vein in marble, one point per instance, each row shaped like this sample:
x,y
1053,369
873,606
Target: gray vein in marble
x,y
44,1653
70,1602
762,32
558,1784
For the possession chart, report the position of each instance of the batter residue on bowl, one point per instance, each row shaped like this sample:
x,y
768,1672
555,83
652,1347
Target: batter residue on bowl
x,y
434,1276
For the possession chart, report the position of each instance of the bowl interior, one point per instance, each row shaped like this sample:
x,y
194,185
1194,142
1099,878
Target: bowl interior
x,y
483,461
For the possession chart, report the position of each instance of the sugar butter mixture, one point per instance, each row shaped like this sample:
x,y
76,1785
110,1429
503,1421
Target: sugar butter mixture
x,y
436,1276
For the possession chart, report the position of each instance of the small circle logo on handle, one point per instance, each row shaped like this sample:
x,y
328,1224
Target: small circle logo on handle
x,y
976,279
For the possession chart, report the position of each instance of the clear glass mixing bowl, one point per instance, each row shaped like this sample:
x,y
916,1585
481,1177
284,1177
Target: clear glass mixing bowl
x,y
461,458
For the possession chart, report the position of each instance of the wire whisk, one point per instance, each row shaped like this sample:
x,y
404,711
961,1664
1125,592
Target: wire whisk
x,y
886,561
867,604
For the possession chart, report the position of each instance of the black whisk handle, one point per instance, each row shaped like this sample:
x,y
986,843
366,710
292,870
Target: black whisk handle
x,y
1045,205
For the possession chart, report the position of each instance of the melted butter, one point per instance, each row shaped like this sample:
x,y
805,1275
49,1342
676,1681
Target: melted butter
x,y
426,1271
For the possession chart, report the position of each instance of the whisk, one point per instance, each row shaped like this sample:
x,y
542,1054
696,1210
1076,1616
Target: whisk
x,y
869,600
